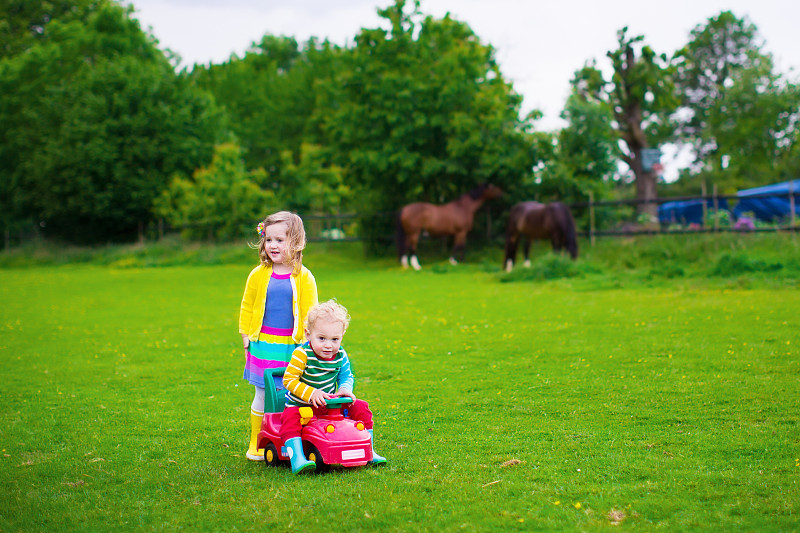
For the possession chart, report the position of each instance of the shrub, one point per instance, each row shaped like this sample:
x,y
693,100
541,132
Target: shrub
x,y
729,265
550,266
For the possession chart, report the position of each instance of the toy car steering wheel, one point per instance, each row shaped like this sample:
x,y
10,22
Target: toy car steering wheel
x,y
338,402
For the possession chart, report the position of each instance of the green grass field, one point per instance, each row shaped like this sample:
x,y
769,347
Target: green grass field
x,y
627,391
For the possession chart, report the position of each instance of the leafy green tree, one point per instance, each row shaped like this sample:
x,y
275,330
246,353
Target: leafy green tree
x,y
96,120
738,114
24,23
640,94
586,152
271,96
314,186
582,160
221,201
425,114
754,126
417,112
716,55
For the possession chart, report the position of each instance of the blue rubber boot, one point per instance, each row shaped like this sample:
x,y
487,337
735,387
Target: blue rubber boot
x,y
294,449
376,459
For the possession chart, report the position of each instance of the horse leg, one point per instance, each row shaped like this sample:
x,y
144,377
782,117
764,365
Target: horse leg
x,y
512,241
458,247
527,251
411,246
400,237
452,258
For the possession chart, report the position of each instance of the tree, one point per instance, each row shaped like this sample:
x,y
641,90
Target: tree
x,y
754,126
738,115
221,201
580,160
96,120
23,23
425,113
640,94
416,112
586,153
271,96
714,58
316,187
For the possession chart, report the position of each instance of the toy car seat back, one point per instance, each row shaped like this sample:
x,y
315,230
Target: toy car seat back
x,y
274,400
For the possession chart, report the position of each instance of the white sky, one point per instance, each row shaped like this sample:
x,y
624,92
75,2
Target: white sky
x,y
539,43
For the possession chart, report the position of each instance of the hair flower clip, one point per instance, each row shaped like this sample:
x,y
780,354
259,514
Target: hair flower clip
x,y
260,229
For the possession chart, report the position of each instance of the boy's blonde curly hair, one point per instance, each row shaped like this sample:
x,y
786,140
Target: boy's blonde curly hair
x,y
330,311
295,238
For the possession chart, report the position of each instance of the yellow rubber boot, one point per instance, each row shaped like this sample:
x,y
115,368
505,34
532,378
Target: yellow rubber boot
x,y
253,453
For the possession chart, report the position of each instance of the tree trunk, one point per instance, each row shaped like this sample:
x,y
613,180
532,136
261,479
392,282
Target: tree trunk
x,y
630,118
646,193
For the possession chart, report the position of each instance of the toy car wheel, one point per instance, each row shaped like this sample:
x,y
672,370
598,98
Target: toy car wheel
x,y
313,455
271,455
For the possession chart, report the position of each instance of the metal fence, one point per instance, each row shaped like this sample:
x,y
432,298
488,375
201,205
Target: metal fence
x,y
711,220
618,218
593,219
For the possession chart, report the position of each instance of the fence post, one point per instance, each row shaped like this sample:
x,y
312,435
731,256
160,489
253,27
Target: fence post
x,y
716,209
703,192
591,218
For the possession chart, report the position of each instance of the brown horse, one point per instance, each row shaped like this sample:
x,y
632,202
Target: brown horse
x,y
454,218
539,221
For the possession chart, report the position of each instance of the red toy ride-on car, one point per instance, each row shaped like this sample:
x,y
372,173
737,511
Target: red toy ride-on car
x,y
329,439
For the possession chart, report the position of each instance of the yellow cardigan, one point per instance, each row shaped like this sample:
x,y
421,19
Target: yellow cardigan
x,y
251,314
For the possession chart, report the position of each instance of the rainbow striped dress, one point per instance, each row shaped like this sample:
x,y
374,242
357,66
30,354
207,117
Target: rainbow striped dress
x,y
275,345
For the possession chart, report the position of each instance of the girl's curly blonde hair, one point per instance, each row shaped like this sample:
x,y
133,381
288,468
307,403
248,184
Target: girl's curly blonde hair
x,y
295,238
330,311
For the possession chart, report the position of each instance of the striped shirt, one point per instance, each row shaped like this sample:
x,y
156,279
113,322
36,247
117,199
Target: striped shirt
x,y
307,372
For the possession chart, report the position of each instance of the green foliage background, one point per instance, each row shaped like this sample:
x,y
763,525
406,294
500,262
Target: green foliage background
x,y
95,120
103,134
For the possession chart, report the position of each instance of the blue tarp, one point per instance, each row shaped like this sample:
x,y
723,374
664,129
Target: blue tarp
x,y
769,208
688,211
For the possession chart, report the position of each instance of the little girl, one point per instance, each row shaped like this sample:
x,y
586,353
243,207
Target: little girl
x,y
278,294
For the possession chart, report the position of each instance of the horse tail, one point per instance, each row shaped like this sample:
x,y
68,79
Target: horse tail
x,y
400,235
568,230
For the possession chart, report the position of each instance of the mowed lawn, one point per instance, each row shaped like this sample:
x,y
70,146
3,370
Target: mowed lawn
x,y
500,406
